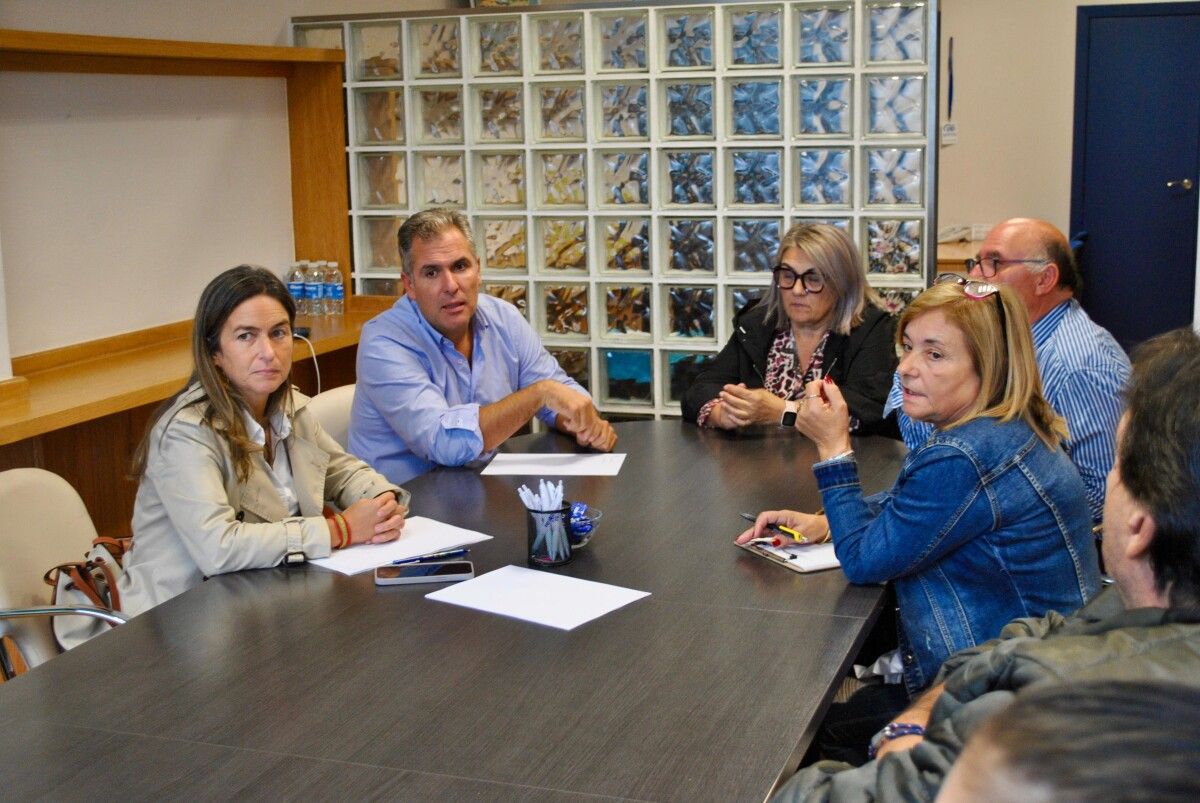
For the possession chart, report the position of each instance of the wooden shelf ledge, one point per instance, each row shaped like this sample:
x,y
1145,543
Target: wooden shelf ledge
x,y
39,51
88,381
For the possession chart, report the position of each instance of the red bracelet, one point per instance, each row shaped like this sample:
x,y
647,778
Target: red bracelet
x,y
343,531
345,525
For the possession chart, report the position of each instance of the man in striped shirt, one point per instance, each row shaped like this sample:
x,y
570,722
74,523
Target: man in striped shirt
x,y
1083,368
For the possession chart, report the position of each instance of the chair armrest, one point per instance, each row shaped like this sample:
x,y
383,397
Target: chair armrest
x,y
112,617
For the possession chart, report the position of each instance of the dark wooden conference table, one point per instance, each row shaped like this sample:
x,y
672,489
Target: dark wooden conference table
x,y
305,683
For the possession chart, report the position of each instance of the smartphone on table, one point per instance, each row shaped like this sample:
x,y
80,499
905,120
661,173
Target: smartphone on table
x,y
447,571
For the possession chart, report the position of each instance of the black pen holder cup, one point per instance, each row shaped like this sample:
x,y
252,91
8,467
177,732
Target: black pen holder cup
x,y
549,536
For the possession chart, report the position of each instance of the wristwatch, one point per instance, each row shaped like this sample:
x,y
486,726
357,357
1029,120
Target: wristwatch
x,y
789,414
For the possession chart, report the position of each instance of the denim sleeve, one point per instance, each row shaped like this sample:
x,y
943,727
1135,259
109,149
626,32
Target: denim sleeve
x,y
399,382
875,502
933,509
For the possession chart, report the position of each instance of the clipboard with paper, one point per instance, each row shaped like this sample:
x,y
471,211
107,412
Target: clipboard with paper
x,y
802,558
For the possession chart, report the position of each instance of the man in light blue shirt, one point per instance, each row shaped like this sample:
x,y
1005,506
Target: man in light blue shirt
x,y
447,375
1083,369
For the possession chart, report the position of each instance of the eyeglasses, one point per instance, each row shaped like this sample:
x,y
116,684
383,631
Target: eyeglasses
x,y
988,266
811,280
977,290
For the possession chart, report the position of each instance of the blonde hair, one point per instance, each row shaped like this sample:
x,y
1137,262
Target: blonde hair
x,y
834,257
1009,381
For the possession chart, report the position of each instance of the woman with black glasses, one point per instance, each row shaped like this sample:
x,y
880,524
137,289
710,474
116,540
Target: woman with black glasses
x,y
987,521
819,318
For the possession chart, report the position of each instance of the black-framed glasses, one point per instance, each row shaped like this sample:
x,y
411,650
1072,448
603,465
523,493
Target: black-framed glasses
x,y
810,280
977,290
989,266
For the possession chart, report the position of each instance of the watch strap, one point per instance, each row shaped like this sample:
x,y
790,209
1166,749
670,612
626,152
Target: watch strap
x,y
293,550
788,419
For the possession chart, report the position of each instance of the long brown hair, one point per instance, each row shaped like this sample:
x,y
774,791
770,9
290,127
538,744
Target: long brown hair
x,y
223,404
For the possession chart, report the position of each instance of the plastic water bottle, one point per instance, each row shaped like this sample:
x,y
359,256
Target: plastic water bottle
x,y
327,281
295,284
302,300
335,292
314,279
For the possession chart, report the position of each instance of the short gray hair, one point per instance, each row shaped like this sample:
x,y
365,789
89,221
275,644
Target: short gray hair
x,y
427,224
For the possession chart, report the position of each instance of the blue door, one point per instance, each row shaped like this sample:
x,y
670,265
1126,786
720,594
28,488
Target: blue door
x,y
1136,164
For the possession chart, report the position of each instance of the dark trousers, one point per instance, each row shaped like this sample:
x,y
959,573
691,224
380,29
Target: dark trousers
x,y
848,727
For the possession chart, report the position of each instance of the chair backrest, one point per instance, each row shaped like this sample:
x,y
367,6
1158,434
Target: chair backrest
x,y
43,522
332,409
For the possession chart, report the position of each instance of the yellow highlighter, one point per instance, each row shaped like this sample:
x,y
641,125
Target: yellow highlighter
x,y
795,534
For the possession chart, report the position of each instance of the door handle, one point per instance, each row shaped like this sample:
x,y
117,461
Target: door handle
x,y
1184,183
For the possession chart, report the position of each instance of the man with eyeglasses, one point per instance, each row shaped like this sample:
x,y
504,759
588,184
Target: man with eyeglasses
x,y
1083,369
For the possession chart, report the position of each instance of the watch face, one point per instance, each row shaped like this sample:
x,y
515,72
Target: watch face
x,y
789,419
294,558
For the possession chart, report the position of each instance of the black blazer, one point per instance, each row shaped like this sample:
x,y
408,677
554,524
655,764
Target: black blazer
x,y
866,360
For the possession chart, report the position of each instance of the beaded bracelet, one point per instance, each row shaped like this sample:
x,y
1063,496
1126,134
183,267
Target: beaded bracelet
x,y
893,730
343,531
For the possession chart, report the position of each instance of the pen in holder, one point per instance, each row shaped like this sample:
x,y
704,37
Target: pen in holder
x,y
549,523
549,536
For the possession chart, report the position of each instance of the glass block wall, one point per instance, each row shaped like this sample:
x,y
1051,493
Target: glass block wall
x,y
629,171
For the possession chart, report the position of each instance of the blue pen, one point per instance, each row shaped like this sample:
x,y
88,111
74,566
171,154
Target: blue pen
x,y
450,553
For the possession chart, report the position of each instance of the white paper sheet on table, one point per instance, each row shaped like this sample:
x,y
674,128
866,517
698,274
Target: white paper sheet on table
x,y
420,536
556,465
538,596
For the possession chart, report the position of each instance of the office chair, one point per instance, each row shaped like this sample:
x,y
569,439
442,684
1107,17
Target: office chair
x,y
42,523
332,409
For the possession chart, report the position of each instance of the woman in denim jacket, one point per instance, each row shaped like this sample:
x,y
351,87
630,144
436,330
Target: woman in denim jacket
x,y
988,520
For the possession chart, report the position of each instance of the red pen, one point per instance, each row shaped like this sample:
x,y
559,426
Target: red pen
x,y
828,379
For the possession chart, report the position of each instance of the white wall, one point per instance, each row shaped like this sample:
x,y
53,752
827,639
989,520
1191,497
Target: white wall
x,y
5,365
1014,98
121,196
246,22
